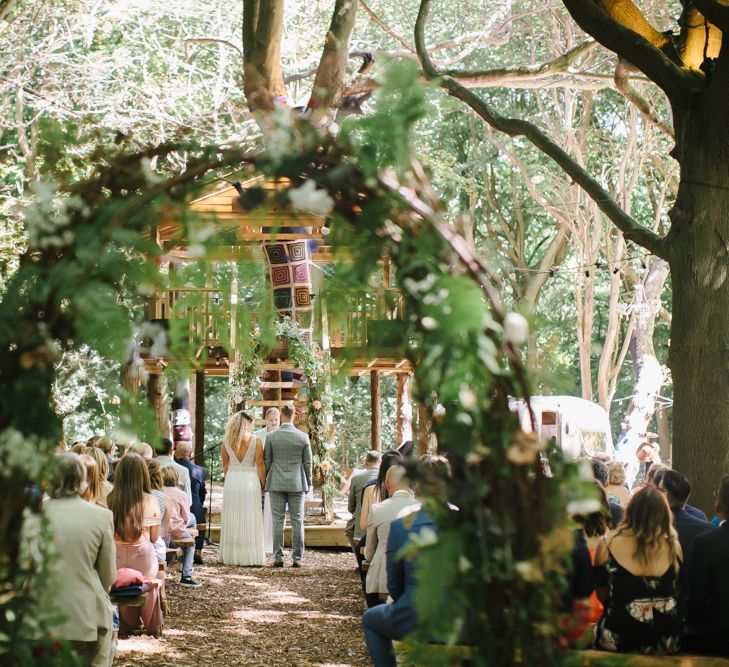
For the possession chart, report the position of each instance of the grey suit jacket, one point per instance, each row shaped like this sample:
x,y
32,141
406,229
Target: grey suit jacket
x,y
287,454
83,536
355,498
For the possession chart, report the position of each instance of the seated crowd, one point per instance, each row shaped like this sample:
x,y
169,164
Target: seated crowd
x,y
648,568
113,521
648,572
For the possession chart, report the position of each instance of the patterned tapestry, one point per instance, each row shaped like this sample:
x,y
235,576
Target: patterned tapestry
x,y
289,270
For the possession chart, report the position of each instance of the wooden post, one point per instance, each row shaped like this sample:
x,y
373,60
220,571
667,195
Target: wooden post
x,y
199,432
158,397
423,429
376,425
386,272
404,408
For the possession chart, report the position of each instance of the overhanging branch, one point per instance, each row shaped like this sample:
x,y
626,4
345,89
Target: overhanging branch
x,y
715,12
636,46
516,127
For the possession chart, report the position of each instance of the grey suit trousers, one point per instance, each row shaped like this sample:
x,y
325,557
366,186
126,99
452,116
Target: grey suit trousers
x,y
295,500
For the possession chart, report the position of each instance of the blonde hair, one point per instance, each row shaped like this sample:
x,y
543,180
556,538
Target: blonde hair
x,y
616,473
156,480
235,428
93,480
101,461
170,476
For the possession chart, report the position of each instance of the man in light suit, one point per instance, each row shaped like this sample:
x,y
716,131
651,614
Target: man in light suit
x,y
287,455
83,536
401,502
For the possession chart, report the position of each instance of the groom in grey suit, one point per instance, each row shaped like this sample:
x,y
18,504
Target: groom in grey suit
x,y
287,454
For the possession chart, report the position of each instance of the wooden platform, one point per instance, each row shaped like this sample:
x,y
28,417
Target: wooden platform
x,y
317,537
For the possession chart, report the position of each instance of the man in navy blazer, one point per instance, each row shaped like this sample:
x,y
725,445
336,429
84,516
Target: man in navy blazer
x,y
386,622
199,492
677,488
708,580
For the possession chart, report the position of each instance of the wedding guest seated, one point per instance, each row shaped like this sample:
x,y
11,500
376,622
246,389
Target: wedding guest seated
x,y
386,622
93,490
708,585
165,458
677,488
377,492
142,449
106,445
353,530
199,492
180,521
156,483
690,509
600,474
635,578
615,488
401,501
103,464
79,580
136,526
580,603
78,448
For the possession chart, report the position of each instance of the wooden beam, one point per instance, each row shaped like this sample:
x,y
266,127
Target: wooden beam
x,y
376,420
404,408
199,432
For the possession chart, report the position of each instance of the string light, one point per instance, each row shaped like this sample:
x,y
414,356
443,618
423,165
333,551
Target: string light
x,y
614,266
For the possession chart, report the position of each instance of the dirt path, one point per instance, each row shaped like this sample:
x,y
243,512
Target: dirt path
x,y
259,616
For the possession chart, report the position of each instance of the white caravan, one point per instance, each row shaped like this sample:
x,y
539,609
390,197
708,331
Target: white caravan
x,y
582,428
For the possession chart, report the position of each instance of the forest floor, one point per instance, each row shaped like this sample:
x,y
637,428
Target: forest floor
x,y
259,616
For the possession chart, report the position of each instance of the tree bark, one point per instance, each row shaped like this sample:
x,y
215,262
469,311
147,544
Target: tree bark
x,y
263,82
404,408
331,73
376,420
158,397
199,432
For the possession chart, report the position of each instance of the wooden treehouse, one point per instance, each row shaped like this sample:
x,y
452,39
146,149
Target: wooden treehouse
x,y
295,254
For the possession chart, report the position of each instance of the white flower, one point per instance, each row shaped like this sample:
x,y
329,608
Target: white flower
x,y
468,399
309,199
529,571
439,411
429,323
427,537
583,506
464,565
516,329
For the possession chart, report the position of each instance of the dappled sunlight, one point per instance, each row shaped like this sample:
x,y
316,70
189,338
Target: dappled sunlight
x,y
147,646
282,597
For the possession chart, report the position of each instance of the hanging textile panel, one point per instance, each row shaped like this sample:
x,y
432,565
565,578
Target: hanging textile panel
x,y
289,270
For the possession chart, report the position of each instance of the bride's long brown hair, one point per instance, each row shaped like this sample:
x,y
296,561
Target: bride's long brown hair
x,y
648,521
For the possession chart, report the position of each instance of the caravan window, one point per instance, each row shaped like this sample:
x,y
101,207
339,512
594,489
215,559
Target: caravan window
x,y
594,442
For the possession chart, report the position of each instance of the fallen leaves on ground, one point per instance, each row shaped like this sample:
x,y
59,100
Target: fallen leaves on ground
x,y
259,616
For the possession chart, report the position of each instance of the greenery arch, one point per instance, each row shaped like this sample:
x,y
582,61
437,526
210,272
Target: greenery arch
x,y
497,562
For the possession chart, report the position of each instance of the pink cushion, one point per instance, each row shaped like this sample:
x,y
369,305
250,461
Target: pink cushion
x,y
126,576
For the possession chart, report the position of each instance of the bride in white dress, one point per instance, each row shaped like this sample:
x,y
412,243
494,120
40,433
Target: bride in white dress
x,y
241,539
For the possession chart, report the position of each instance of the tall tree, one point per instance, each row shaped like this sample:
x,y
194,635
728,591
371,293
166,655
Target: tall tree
x,y
693,73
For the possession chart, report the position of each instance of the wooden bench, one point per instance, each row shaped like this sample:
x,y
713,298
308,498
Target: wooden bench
x,y
125,601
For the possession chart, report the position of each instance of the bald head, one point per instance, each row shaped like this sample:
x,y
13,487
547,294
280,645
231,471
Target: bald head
x,y
396,479
143,449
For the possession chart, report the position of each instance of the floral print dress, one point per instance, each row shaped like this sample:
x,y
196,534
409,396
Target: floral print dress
x,y
642,614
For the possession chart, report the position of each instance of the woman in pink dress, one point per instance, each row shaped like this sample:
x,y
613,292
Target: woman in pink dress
x,y
136,527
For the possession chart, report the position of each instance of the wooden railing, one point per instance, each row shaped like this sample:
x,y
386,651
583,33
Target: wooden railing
x,y
206,310
343,318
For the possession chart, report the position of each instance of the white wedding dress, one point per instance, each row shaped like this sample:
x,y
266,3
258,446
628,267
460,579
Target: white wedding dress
x,y
241,538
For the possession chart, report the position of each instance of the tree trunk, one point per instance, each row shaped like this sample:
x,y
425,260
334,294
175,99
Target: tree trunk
x,y
199,417
648,370
376,422
158,397
585,317
404,408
